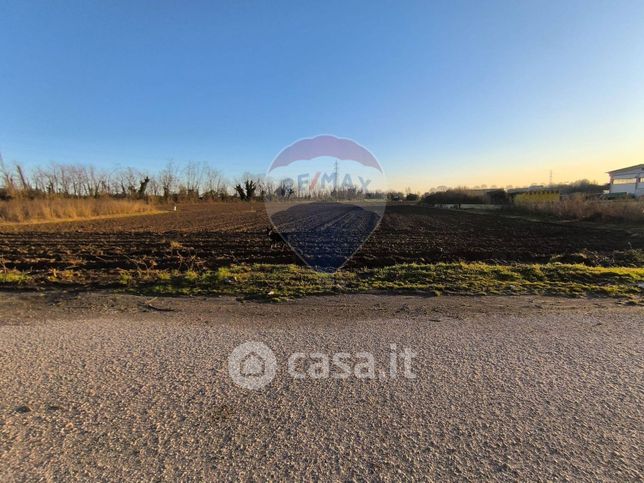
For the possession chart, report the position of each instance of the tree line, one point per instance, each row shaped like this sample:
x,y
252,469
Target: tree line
x,y
188,182
176,182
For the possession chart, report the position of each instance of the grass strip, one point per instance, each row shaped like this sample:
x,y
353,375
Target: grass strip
x,y
282,282
279,282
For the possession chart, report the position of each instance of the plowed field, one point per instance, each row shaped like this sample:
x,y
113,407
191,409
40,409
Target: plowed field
x,y
218,234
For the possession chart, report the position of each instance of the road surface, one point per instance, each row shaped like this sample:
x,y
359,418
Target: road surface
x,y
118,387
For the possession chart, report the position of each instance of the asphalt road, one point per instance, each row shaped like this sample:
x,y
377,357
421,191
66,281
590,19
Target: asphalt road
x,y
114,387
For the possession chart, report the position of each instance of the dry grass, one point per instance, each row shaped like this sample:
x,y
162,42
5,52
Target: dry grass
x,y
28,210
578,208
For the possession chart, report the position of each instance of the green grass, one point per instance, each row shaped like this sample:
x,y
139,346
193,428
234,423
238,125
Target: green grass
x,y
13,277
282,282
279,282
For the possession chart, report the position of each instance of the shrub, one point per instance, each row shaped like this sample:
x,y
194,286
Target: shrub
x,y
453,197
578,208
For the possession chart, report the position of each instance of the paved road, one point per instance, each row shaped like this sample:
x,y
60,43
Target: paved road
x,y
101,386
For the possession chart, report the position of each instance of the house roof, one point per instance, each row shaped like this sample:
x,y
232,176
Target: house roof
x,y
637,167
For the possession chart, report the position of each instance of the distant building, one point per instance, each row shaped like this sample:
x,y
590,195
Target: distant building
x,y
521,196
627,181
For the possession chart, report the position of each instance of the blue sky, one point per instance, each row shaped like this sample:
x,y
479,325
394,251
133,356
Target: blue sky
x,y
449,92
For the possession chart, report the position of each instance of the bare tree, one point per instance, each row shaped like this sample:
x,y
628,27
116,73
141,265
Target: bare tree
x,y
168,180
128,180
8,182
214,183
193,178
154,186
95,182
24,182
64,179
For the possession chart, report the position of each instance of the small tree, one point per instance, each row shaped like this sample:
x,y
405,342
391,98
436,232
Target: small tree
x,y
240,191
142,187
246,187
251,187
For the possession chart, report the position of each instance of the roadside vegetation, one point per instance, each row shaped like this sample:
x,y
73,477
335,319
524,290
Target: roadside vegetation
x,y
281,282
582,209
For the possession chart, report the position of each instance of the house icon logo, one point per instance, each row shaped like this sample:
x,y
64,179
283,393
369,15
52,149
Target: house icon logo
x,y
252,365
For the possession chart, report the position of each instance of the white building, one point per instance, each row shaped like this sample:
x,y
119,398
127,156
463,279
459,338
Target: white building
x,y
627,181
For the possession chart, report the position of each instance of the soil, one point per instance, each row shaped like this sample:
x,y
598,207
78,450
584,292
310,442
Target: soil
x,y
220,234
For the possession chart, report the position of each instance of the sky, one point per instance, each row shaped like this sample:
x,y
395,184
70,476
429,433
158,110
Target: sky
x,y
442,92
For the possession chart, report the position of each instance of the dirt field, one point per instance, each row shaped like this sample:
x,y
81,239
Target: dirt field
x,y
99,386
213,235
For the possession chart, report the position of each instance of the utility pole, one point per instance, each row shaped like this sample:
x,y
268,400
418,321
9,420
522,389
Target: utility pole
x,y
335,182
550,184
